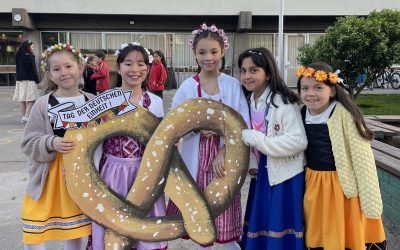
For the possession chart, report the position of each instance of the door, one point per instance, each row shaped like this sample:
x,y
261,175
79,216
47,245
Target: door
x,y
292,44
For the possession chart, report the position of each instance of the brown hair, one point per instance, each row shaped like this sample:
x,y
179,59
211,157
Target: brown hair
x,y
264,59
342,97
213,35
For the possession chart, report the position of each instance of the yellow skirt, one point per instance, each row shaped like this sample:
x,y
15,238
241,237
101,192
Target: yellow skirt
x,y
54,216
331,220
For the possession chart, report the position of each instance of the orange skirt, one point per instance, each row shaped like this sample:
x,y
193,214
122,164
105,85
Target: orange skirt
x,y
331,220
55,216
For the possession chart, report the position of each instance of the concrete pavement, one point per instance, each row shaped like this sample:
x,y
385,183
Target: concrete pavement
x,y
13,179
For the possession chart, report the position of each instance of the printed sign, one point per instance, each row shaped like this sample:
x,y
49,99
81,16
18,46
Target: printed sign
x,y
94,111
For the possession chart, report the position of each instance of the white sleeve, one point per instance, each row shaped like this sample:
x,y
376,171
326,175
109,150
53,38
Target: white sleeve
x,y
183,93
293,138
156,106
159,112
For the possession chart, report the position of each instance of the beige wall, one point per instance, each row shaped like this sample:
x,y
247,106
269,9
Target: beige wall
x,y
203,7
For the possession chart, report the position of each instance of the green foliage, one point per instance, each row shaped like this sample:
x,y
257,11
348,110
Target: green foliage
x,y
375,104
356,43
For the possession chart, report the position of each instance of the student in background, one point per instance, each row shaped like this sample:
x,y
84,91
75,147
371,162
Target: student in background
x,y
101,75
90,68
26,89
158,74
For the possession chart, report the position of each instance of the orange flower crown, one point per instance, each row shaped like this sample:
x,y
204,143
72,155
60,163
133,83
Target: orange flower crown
x,y
319,75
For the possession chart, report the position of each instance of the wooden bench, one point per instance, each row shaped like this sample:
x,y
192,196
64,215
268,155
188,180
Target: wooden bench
x,y
382,130
7,70
387,157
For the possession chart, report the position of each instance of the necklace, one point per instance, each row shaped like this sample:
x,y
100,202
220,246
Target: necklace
x,y
211,91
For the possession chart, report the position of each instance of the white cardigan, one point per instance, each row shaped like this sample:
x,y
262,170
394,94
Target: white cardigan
x,y
284,142
231,94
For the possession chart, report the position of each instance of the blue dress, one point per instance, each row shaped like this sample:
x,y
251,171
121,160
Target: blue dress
x,y
274,214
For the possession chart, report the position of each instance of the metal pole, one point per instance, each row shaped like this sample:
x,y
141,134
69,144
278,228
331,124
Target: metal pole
x,y
280,39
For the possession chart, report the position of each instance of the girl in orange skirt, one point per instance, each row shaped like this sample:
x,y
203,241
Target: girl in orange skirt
x,y
342,200
48,212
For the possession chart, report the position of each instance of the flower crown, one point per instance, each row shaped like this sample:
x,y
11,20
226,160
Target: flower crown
x,y
319,75
59,47
211,28
127,44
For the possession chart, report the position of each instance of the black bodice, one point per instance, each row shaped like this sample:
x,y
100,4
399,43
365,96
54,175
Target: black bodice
x,y
319,153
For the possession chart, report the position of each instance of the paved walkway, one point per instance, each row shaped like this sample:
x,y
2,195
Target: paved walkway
x,y
13,179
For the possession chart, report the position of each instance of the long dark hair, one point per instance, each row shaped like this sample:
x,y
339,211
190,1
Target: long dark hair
x,y
213,35
24,48
122,55
263,58
342,97
160,54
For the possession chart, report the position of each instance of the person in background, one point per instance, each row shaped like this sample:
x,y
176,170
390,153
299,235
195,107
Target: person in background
x,y
158,74
101,75
90,68
26,89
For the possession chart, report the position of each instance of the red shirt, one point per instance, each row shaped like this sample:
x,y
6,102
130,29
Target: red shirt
x,y
102,77
157,77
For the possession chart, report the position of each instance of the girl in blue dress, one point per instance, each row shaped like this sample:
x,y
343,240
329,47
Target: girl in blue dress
x,y
274,212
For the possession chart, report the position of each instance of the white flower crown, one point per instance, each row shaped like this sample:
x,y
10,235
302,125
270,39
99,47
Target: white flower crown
x,y
127,44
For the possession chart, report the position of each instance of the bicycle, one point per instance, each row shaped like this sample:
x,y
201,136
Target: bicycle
x,y
386,78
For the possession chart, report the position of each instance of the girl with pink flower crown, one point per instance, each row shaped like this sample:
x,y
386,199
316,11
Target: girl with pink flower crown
x,y
203,152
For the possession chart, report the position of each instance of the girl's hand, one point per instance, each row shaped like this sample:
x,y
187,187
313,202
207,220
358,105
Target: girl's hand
x,y
62,145
218,164
251,136
208,133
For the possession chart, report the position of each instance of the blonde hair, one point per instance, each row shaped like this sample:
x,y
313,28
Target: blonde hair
x,y
46,85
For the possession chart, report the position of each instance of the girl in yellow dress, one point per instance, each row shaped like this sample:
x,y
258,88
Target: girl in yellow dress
x,y
342,201
48,212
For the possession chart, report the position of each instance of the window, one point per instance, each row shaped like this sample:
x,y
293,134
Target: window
x,y
9,42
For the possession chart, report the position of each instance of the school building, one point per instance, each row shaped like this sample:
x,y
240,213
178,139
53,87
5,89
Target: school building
x,y
167,25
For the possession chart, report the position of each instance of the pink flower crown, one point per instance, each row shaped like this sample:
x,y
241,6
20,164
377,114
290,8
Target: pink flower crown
x,y
59,47
211,28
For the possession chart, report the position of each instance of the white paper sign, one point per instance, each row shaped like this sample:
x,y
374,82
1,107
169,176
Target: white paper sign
x,y
68,116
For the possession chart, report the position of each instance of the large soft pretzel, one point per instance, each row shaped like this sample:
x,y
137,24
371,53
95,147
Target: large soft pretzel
x,y
161,165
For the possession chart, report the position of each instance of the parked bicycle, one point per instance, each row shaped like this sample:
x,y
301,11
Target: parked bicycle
x,y
388,77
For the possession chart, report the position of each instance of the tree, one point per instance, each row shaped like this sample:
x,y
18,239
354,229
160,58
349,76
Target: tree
x,y
354,44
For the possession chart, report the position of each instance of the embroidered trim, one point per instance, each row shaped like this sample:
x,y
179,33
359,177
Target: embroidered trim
x,y
273,234
49,225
